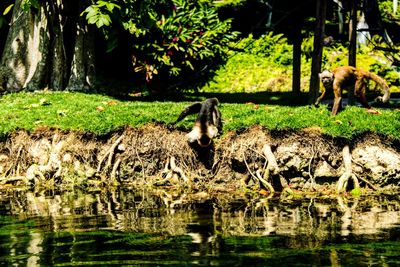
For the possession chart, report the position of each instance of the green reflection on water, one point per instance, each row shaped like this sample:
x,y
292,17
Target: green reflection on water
x,y
121,228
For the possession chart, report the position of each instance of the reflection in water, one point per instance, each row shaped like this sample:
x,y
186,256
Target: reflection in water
x,y
137,228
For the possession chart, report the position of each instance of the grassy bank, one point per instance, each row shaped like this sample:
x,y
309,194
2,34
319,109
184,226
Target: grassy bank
x,y
101,114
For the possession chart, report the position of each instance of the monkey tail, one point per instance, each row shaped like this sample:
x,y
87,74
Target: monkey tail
x,y
385,88
192,109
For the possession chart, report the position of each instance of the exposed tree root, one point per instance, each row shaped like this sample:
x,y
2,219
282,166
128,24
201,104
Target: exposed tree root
x,y
110,154
114,172
110,168
157,155
272,166
15,179
270,169
172,173
13,170
348,172
37,173
264,182
311,179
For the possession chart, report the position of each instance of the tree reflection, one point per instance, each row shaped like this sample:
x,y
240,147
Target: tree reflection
x,y
212,224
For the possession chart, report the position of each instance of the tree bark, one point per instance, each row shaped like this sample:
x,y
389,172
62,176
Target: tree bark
x,y
318,48
82,76
14,61
353,43
35,57
296,78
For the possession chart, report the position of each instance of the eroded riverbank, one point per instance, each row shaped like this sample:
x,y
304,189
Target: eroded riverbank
x,y
156,155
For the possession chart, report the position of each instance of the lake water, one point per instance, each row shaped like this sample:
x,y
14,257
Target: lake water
x,y
135,228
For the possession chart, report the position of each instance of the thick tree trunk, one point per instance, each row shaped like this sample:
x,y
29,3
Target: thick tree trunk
x,y
82,75
296,79
15,65
35,57
353,42
318,47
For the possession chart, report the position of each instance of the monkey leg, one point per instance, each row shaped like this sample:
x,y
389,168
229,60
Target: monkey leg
x,y
337,105
319,99
359,92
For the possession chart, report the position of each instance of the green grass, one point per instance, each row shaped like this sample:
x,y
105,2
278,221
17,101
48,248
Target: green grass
x,y
78,111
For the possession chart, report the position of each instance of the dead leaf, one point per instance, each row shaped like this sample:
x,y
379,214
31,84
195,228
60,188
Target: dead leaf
x,y
373,111
100,108
109,103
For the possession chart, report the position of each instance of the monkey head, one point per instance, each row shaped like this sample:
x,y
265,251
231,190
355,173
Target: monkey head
x,y
208,124
202,135
326,78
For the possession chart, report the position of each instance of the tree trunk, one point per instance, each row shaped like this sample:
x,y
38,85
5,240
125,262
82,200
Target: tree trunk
x,y
82,75
353,33
35,56
318,48
353,42
296,79
15,62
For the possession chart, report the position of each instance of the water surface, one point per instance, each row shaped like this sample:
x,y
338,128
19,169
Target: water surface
x,y
134,227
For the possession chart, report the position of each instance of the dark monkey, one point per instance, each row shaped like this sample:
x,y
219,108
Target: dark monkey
x,y
208,123
350,77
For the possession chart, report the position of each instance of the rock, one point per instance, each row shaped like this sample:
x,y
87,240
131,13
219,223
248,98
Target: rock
x,y
323,169
380,162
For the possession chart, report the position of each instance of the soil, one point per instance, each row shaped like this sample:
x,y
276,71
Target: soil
x,y
159,156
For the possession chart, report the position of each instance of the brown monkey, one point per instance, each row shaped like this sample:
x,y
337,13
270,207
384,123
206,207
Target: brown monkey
x,y
350,77
208,123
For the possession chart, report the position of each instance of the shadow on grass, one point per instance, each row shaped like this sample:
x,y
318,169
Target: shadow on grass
x,y
271,98
276,98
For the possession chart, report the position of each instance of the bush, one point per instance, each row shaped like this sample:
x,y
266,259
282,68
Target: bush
x,y
174,38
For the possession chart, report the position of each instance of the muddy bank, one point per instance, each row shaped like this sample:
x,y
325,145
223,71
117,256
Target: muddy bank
x,y
157,156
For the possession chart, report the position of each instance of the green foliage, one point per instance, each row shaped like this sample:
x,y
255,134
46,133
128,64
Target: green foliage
x,y
222,3
356,192
5,12
102,114
94,14
169,38
274,46
248,73
388,14
27,4
264,65
8,9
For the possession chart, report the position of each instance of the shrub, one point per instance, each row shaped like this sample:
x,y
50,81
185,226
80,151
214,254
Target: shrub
x,y
169,38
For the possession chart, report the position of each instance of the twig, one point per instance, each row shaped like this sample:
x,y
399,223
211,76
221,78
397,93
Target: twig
x,y
248,168
368,183
309,167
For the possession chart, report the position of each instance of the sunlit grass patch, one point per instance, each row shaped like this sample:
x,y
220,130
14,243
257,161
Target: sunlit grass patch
x,y
102,114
